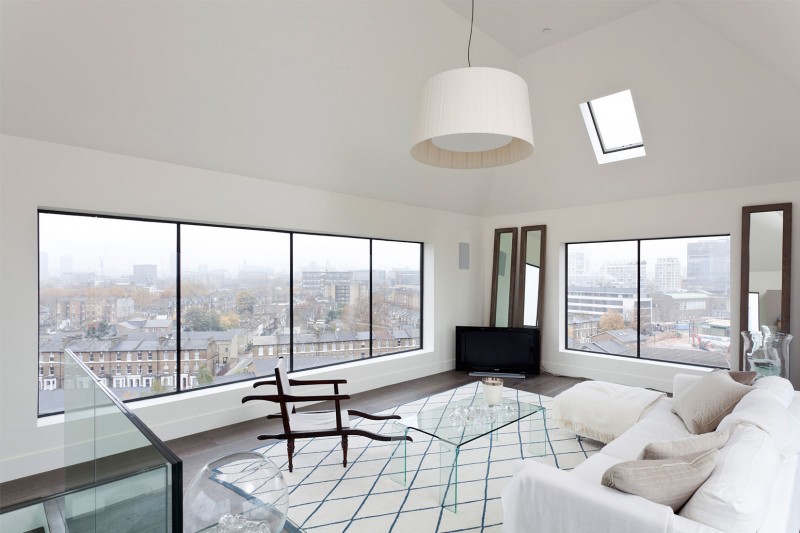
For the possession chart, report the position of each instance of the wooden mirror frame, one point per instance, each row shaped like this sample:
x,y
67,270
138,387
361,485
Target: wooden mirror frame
x,y
512,262
786,267
519,319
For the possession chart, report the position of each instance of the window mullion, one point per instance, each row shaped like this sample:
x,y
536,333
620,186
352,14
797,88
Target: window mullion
x,y
178,309
371,318
291,305
639,299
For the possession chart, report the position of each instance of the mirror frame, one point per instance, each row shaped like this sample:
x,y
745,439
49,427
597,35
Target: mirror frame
x,y
513,273
786,267
519,320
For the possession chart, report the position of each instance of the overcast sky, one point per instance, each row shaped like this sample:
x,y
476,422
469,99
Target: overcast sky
x,y
112,246
599,252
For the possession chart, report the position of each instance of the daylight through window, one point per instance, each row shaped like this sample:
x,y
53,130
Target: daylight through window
x,y
223,310
613,127
660,299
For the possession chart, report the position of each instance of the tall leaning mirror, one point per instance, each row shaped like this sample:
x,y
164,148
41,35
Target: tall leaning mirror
x,y
766,288
530,292
504,270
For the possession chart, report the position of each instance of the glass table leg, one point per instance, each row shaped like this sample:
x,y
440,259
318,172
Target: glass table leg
x,y
448,475
398,468
537,433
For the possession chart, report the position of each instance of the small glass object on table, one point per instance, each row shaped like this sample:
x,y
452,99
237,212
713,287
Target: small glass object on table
x,y
242,492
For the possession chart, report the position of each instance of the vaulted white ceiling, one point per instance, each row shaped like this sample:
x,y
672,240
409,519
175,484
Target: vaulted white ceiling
x,y
322,93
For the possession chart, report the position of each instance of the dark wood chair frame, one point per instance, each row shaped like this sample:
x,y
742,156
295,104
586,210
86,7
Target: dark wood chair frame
x,y
289,436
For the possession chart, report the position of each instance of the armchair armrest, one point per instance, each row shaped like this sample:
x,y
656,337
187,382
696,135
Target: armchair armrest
x,y
267,382
278,398
544,498
317,381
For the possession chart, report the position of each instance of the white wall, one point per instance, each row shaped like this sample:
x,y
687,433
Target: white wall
x,y
43,175
708,213
711,117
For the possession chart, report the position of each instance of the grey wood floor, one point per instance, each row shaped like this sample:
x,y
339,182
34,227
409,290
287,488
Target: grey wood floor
x,y
198,449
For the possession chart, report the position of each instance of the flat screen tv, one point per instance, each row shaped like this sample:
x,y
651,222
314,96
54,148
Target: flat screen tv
x,y
497,350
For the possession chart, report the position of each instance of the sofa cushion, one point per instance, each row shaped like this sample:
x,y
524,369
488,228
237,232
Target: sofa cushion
x,y
736,494
666,481
706,402
592,469
657,426
782,388
686,445
763,410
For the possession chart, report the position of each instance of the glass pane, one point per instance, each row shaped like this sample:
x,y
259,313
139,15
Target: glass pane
x,y
616,121
234,303
112,468
688,285
331,301
602,302
106,291
765,282
396,296
504,277
533,259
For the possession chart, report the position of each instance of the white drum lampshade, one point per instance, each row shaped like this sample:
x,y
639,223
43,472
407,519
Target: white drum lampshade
x,y
474,117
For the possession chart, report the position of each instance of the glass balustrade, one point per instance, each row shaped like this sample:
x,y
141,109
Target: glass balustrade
x,y
118,474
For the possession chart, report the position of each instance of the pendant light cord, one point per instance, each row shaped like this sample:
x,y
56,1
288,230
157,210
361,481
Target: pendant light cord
x,y
471,23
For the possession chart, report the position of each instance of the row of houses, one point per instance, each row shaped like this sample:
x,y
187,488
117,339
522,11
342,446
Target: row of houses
x,y
141,359
345,344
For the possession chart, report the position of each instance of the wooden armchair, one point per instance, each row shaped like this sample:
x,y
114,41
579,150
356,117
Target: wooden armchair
x,y
306,425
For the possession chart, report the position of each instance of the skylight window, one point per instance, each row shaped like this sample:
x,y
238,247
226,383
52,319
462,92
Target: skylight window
x,y
613,127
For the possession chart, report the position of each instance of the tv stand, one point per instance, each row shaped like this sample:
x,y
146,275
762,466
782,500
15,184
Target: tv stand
x,y
498,375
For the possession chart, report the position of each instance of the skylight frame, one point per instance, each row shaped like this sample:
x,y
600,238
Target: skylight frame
x,y
616,153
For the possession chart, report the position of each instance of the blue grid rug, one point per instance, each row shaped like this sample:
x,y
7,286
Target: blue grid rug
x,y
324,497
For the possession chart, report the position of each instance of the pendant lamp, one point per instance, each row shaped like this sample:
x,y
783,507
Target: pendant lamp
x,y
473,117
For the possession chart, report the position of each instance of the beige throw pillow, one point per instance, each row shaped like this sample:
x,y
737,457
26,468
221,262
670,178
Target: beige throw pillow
x,y
666,481
708,400
745,378
686,445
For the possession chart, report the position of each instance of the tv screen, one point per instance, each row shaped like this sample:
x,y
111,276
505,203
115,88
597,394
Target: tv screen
x,y
497,350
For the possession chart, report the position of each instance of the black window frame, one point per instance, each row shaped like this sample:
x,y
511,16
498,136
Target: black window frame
x,y
638,242
178,224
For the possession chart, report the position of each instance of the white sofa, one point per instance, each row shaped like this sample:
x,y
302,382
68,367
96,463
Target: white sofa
x,y
766,492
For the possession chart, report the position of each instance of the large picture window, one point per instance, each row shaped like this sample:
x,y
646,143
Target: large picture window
x,y
207,305
658,299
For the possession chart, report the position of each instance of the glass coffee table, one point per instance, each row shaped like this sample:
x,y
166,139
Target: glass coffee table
x,y
460,422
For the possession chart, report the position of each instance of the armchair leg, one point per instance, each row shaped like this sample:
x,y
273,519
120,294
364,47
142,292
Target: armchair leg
x,y
290,451
344,450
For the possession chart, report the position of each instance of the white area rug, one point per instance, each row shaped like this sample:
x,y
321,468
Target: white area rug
x,y
324,497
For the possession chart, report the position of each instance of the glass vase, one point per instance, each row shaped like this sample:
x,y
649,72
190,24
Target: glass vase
x,y
243,492
767,353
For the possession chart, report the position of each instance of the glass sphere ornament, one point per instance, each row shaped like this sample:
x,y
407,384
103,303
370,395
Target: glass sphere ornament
x,y
242,492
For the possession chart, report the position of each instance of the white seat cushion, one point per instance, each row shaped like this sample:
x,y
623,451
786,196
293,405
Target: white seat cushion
x,y
655,428
317,421
593,468
736,495
283,376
